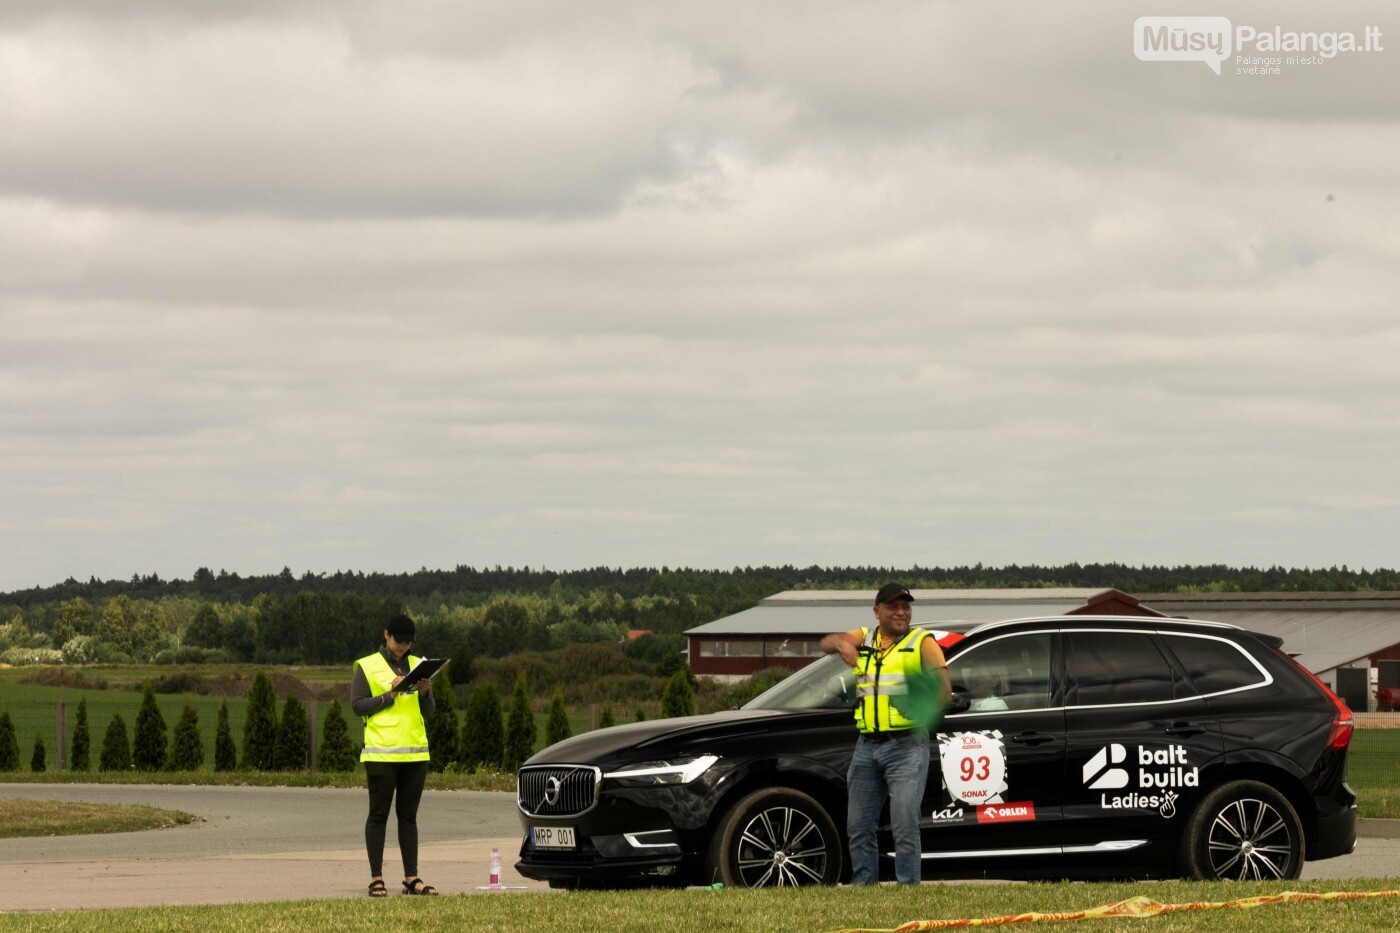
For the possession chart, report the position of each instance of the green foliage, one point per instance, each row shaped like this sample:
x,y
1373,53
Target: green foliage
x,y
148,751
81,757
483,732
678,699
186,745
116,747
652,648
9,743
317,627
463,666
606,719
131,627
639,715
225,753
293,745
441,724
260,725
336,753
520,728
71,619
557,725
669,665
37,761
206,630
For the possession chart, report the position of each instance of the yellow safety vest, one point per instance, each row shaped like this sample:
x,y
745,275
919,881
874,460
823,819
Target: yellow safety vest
x,y
396,733
882,680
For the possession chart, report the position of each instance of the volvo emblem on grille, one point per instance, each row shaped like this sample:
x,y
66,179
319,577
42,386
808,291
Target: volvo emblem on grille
x,y
551,791
557,790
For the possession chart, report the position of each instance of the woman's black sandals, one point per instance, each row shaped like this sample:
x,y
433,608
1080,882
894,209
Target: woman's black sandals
x,y
417,886
377,889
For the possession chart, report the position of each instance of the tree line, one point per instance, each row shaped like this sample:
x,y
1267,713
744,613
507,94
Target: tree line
x,y
483,738
465,585
468,613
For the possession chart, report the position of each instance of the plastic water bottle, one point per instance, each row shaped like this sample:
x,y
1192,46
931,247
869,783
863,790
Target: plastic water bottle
x,y
495,867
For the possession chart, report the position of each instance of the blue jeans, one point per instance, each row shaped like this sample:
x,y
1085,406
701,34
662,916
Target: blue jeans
x,y
897,769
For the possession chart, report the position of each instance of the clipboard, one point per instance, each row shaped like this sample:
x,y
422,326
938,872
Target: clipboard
x,y
424,669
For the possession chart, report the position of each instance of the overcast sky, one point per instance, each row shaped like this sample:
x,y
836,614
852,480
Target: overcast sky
x,y
377,285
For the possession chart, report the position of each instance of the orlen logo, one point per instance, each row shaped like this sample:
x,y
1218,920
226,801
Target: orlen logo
x,y
1104,777
1005,812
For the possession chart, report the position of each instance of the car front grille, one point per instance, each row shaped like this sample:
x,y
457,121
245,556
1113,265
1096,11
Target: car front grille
x,y
557,790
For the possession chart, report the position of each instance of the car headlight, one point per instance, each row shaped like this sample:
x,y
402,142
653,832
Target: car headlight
x,y
670,771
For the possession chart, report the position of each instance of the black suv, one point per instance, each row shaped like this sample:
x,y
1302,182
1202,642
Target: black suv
x,y
1075,746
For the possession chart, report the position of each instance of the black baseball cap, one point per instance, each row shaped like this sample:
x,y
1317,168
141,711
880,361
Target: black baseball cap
x,y
401,627
892,591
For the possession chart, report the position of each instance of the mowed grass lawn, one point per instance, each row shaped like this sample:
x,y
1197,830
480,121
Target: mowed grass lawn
x,y
810,910
20,818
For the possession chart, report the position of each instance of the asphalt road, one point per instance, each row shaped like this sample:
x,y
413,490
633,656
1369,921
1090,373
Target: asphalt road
x,y
250,844
278,843
255,820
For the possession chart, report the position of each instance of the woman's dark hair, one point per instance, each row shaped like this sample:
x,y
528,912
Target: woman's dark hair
x,y
401,627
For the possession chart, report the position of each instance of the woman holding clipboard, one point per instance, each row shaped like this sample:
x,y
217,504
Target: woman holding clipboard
x,y
396,750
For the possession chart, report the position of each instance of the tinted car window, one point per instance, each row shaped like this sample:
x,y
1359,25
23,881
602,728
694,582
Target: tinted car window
x,y
1214,665
1008,673
1119,667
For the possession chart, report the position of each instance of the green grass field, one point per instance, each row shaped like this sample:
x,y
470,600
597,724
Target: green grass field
x,y
808,910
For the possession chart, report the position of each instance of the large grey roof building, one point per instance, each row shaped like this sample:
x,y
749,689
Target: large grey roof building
x,y
1350,640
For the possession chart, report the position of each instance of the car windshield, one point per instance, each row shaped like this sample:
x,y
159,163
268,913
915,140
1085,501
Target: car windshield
x,y
825,684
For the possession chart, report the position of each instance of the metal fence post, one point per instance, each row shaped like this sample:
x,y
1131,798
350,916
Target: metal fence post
x,y
62,736
312,733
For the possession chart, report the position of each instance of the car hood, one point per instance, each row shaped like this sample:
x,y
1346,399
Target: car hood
x,y
602,745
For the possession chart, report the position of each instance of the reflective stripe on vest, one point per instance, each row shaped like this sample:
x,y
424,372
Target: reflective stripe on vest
x,y
882,676
397,732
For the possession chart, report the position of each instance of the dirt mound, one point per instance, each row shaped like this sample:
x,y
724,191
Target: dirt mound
x,y
284,685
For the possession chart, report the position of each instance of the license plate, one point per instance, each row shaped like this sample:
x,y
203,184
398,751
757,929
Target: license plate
x,y
552,837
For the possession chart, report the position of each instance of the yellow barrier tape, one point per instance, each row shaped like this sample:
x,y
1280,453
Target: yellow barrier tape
x,y
1132,907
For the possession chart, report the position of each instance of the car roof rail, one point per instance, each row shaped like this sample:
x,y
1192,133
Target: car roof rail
x,y
1074,619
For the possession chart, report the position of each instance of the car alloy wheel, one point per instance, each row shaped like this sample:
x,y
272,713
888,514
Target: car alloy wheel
x,y
776,838
1244,831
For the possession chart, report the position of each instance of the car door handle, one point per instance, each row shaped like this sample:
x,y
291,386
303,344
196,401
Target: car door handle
x,y
1185,729
1032,738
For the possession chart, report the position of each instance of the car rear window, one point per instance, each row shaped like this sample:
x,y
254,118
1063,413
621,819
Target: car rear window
x,y
1119,667
1214,664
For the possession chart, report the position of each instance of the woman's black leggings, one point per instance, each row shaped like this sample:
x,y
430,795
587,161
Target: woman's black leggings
x,y
387,778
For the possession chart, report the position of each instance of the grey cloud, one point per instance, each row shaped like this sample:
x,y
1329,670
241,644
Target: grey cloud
x,y
681,285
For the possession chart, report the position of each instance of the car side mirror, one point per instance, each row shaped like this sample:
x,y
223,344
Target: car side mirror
x,y
960,703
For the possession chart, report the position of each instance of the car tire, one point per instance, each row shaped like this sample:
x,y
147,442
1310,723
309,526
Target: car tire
x,y
775,838
1243,831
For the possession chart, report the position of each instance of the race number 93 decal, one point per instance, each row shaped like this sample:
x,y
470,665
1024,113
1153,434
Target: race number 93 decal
x,y
973,765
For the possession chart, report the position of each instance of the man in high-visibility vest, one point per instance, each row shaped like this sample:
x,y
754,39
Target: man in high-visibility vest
x,y
395,755
901,689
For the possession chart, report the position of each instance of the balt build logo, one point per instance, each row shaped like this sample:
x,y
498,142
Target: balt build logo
x,y
1215,40
1097,773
